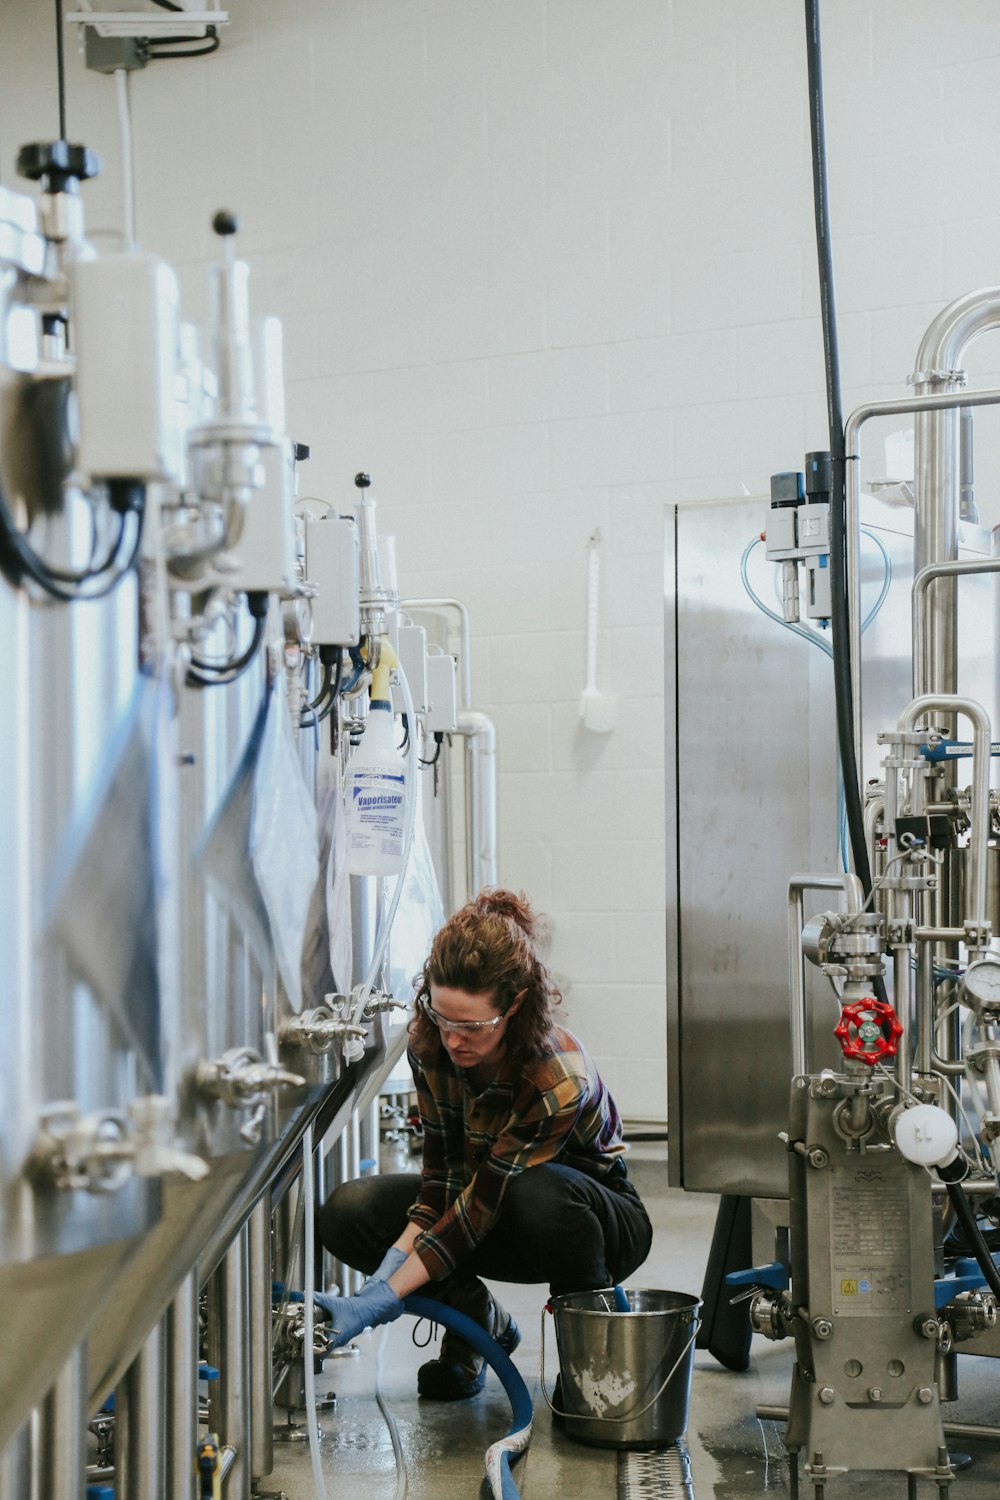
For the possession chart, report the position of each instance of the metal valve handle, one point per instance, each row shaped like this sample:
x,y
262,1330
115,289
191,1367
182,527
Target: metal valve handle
x,y
869,1030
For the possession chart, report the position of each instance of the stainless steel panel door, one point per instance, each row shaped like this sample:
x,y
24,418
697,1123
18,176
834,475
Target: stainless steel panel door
x,y
752,798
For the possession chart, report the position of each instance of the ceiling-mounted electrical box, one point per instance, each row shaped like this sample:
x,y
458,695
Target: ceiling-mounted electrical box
x,y
130,21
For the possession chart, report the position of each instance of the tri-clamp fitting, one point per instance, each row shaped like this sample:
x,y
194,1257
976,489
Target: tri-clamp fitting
x,y
971,1313
100,1152
376,1004
316,1030
242,1080
290,1335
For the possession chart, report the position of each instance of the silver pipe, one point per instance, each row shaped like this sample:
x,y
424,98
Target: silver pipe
x,y
228,1350
62,1445
465,659
855,422
980,813
935,537
182,1390
921,584
261,1405
15,1467
855,898
480,736
140,1447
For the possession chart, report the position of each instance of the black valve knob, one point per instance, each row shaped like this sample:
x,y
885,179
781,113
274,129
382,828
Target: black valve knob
x,y
362,481
225,223
57,165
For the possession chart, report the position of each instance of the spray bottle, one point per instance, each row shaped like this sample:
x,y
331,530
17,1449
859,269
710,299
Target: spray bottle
x,y
375,785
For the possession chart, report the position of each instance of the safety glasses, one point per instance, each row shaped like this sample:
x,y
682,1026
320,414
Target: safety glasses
x,y
472,1028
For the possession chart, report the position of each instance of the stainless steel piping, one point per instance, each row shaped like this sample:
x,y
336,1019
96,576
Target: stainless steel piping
x,y
140,1434
855,897
261,1404
926,403
228,1350
182,1390
921,584
62,1440
16,1482
950,703
480,735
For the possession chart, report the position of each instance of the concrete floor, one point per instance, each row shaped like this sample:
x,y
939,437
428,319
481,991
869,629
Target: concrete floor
x,y
732,1454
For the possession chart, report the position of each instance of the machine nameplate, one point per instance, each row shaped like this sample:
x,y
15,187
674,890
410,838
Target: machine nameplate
x,y
869,1214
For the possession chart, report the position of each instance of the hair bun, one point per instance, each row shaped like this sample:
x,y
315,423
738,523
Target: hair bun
x,y
495,901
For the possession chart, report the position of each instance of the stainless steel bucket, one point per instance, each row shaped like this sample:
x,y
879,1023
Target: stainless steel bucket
x,y
625,1377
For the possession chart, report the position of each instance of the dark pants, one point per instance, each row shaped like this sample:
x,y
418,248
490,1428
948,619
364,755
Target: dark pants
x,y
556,1225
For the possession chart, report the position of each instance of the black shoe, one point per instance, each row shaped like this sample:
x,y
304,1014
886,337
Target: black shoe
x,y
459,1370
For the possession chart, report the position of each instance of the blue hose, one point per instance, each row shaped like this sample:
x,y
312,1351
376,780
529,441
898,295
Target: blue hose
x,y
620,1298
515,1441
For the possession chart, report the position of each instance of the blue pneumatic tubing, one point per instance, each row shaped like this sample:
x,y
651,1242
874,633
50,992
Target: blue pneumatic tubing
x,y
519,1434
621,1301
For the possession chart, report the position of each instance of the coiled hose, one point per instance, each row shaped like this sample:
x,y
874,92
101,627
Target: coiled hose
x,y
500,1453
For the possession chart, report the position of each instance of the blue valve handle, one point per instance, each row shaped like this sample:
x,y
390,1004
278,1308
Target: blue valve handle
x,y
773,1275
952,750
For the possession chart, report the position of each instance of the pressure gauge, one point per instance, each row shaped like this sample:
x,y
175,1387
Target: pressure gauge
x,y
981,985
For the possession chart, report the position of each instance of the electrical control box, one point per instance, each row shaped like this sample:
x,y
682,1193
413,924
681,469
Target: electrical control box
x,y
411,648
442,692
124,333
332,565
265,552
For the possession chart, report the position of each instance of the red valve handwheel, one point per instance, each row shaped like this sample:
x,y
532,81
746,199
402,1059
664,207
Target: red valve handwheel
x,y
869,1029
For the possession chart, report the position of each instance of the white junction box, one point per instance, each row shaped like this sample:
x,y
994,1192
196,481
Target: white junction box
x,y
332,565
442,692
265,552
124,333
411,648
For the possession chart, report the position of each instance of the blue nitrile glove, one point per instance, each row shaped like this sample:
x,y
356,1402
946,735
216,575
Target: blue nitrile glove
x,y
375,1303
390,1263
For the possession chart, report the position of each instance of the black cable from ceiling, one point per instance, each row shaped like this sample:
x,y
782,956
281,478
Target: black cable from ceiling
x,y
61,70
839,618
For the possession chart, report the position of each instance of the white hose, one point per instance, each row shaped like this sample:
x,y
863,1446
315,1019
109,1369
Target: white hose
x,y
309,1364
390,1419
353,1049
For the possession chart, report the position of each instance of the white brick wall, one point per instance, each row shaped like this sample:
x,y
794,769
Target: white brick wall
x,y
544,265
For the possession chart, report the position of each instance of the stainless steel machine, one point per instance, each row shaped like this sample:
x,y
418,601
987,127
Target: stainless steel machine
x,y
193,984
850,1027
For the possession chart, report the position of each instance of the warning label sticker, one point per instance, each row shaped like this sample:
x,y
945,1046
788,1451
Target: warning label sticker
x,y
870,1241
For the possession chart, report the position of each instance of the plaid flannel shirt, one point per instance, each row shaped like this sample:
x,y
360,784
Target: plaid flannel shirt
x,y
558,1110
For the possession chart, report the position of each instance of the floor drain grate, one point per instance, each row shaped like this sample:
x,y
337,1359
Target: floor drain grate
x,y
664,1474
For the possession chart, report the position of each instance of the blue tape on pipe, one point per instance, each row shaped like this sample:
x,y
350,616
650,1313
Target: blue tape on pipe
x,y
498,1456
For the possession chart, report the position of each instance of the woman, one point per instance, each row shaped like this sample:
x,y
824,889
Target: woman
x,y
523,1176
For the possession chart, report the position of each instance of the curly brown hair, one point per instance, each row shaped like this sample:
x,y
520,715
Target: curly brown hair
x,y
490,946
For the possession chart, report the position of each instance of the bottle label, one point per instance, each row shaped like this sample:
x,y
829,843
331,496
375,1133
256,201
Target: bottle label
x,y
377,799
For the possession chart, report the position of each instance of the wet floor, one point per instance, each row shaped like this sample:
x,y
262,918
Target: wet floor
x,y
729,1453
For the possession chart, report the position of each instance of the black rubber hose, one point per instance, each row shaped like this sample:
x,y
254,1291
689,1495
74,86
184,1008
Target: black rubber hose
x,y
206,674
965,1214
19,560
839,617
